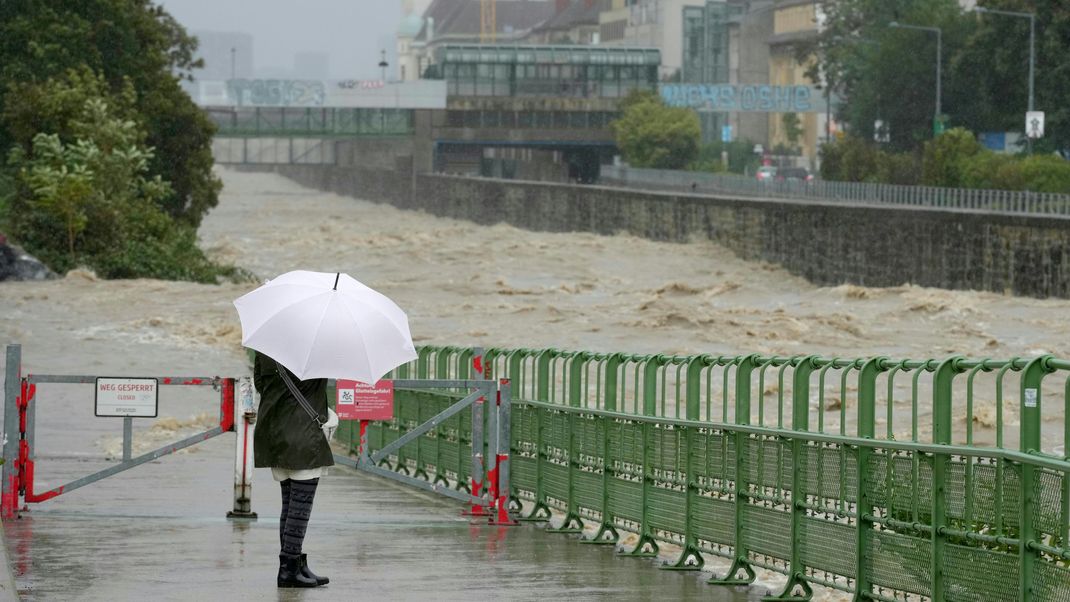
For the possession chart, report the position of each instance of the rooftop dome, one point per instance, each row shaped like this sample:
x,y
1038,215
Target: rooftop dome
x,y
410,25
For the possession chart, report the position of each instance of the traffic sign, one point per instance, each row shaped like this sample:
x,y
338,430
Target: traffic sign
x,y
1034,124
938,125
726,133
134,397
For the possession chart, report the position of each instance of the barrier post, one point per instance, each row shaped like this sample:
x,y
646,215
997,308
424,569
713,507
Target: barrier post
x,y
244,403
502,517
9,497
478,506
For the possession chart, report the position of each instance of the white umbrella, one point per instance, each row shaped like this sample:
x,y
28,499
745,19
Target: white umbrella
x,y
326,325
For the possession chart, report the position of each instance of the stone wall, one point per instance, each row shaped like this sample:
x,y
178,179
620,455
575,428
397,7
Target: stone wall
x,y
828,244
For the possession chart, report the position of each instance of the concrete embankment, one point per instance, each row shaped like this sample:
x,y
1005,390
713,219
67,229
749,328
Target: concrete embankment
x,y
826,243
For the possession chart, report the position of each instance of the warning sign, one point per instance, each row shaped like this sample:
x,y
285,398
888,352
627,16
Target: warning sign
x,y
135,397
360,401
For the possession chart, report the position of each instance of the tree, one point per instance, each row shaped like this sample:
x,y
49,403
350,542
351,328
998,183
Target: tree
x,y
87,197
993,70
651,134
793,129
129,43
885,73
889,74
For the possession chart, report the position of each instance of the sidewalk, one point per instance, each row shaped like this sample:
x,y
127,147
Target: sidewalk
x,y
159,532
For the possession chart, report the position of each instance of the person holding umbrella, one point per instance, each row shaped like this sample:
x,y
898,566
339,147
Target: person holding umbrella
x,y
305,328
292,445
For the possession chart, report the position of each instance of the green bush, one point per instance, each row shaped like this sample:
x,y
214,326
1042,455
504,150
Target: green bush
x,y
898,168
1045,173
741,157
954,159
946,158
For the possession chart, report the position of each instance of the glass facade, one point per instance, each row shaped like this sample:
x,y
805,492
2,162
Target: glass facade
x,y
309,121
577,71
706,54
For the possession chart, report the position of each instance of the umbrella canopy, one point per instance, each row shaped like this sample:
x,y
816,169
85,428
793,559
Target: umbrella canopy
x,y
326,325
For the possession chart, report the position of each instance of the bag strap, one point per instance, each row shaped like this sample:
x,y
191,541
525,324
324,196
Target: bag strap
x,y
313,414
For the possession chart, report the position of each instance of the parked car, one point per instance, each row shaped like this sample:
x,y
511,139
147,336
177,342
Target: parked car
x,y
765,173
793,174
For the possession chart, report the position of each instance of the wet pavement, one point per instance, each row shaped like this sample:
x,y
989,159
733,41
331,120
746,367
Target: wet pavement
x,y
159,532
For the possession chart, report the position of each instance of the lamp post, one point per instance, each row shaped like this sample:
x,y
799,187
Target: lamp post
x,y
382,63
1032,48
939,58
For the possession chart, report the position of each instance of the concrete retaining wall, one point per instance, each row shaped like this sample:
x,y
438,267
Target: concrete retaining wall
x,y
825,243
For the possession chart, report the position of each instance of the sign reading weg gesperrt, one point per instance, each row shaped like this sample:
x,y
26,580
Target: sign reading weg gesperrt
x,y
134,397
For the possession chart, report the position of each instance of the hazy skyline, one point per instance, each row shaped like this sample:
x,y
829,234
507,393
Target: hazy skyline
x,y
350,32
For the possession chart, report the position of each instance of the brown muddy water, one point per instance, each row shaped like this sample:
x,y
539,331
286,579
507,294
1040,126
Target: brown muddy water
x,y
500,286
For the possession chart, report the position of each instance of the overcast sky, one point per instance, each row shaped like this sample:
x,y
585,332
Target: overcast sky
x,y
351,32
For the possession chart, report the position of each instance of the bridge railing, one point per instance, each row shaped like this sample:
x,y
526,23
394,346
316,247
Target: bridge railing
x,y
939,478
1008,201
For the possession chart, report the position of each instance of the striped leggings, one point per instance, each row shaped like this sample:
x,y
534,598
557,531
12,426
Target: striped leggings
x,y
296,508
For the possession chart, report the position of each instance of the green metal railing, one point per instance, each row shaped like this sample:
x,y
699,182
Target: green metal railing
x,y
893,479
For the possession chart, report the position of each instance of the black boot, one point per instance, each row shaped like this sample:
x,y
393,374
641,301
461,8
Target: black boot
x,y
307,572
290,573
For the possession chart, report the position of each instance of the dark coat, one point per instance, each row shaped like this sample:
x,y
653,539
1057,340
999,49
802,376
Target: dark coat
x,y
285,435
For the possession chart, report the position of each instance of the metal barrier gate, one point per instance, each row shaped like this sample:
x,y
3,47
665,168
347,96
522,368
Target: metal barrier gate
x,y
484,490
19,428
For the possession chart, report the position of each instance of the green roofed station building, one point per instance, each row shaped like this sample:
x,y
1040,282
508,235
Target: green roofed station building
x,y
512,111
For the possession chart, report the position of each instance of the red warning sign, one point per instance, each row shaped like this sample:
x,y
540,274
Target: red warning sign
x,y
360,401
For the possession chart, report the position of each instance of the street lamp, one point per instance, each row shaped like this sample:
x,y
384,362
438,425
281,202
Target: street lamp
x,y
1032,47
939,57
382,63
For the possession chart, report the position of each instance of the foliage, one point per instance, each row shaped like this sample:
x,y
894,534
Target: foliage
x,y
90,199
651,134
954,159
947,157
793,129
741,157
888,74
1040,173
140,52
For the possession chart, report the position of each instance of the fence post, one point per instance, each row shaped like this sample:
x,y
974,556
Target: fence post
x,y
744,367
502,460
867,402
1030,405
9,502
942,391
612,365
478,463
800,421
244,424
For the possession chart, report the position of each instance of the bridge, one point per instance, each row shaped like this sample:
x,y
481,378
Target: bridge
x,y
528,112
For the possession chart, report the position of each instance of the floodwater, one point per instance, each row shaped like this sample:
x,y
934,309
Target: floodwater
x,y
497,286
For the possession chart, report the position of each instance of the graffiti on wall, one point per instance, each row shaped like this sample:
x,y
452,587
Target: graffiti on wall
x,y
277,92
361,84
731,98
